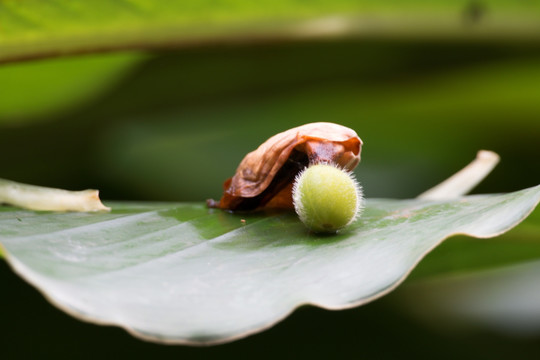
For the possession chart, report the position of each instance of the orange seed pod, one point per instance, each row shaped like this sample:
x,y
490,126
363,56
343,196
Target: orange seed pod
x,y
264,178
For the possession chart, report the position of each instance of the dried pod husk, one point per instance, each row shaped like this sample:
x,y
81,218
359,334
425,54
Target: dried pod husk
x,y
265,177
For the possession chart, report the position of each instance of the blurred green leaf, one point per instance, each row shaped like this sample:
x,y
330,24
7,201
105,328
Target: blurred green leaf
x,y
183,273
40,90
505,299
42,28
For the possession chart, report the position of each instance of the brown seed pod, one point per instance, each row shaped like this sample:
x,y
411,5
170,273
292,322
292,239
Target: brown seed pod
x,y
265,176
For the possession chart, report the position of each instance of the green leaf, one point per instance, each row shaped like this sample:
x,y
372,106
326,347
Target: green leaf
x,y
182,273
45,89
42,28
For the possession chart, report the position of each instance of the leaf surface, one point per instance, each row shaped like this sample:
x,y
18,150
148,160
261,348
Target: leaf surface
x,y
182,273
42,28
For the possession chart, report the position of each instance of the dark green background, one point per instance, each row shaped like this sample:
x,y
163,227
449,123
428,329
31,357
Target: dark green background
x,y
173,126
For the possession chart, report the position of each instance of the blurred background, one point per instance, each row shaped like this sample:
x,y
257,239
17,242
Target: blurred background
x,y
172,124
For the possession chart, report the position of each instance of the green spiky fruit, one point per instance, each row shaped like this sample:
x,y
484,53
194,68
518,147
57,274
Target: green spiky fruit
x,y
326,198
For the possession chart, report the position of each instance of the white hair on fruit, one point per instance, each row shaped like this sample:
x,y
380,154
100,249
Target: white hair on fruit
x,y
326,197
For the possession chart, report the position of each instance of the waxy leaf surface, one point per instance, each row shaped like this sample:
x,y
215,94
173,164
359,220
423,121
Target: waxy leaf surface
x,y
182,273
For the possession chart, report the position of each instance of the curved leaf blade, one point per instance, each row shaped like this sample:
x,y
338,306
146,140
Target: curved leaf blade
x,y
181,273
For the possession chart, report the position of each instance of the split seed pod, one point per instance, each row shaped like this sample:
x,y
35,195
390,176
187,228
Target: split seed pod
x,y
265,177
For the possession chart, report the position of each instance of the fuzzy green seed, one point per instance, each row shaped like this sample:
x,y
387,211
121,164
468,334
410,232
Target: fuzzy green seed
x,y
326,198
